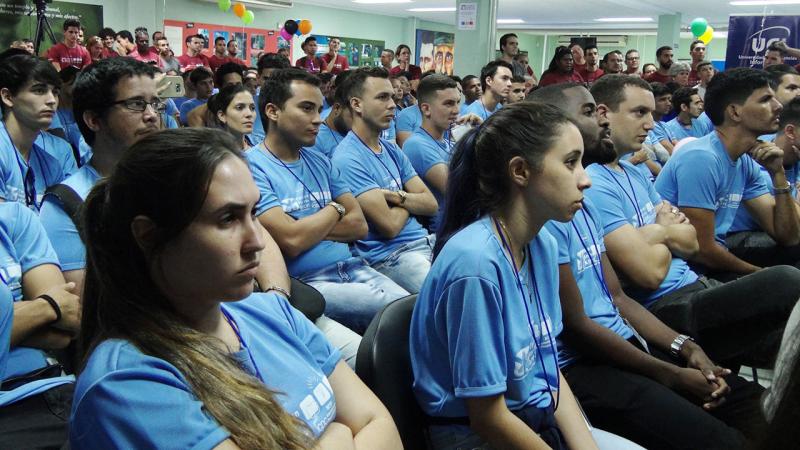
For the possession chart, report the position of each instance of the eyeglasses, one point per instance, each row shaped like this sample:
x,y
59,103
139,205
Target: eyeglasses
x,y
140,105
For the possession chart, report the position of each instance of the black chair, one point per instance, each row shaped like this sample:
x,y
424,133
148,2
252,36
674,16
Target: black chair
x,y
384,364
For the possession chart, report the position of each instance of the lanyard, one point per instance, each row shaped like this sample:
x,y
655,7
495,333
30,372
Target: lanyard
x,y
633,199
366,147
235,328
598,272
539,311
321,192
28,177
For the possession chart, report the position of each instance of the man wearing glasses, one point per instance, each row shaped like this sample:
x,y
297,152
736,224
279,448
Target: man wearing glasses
x,y
632,63
115,104
30,160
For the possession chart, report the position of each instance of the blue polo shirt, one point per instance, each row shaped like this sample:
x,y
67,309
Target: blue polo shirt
x,y
471,330
127,399
60,228
629,197
363,170
424,152
581,245
280,187
327,140
702,175
50,159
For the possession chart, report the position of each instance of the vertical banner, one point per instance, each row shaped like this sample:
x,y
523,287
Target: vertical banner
x,y
435,50
749,37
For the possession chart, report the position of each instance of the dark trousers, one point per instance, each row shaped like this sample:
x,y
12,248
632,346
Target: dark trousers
x,y
758,248
739,322
655,417
37,422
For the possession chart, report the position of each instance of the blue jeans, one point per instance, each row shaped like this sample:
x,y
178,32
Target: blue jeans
x,y
409,265
353,291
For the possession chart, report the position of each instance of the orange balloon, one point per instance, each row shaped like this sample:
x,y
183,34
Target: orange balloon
x,y
239,9
305,26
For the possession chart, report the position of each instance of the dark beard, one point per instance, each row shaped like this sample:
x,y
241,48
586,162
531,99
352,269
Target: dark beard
x,y
665,66
602,153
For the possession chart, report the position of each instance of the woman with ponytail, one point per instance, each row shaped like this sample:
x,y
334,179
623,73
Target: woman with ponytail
x,y
234,110
484,327
177,351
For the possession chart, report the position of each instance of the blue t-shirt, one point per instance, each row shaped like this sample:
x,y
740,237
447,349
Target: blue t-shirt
x,y
60,228
471,327
6,322
50,158
188,106
409,119
23,246
658,133
363,170
743,220
127,399
258,133
65,119
630,198
327,140
675,130
581,245
702,175
478,109
280,188
424,152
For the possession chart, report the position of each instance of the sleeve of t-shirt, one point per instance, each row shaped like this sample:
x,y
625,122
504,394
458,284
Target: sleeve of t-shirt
x,y
353,173
325,355
609,205
148,406
407,171
30,240
268,198
696,181
345,64
754,185
338,186
659,132
63,235
68,163
405,120
6,321
560,232
476,351
53,54
421,156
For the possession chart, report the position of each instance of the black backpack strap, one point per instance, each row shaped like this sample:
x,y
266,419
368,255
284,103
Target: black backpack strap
x,y
71,202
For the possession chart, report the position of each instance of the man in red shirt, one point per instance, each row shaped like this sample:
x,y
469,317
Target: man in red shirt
x,y
697,50
335,63
109,37
310,63
591,70
664,58
219,57
613,62
143,52
69,52
193,58
233,53
578,56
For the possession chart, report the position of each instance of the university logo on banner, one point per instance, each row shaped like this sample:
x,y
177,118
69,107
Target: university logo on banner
x,y
749,37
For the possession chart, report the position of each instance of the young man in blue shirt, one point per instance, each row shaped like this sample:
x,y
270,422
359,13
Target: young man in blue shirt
x,y
710,178
203,81
385,184
308,208
30,160
604,356
496,86
337,124
648,241
689,106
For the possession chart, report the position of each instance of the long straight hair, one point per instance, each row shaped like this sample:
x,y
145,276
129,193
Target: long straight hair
x,y
478,181
166,176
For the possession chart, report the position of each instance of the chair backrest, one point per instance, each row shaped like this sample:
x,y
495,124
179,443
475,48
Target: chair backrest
x,y
384,364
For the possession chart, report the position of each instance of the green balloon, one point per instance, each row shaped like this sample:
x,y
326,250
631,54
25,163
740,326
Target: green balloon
x,y
248,17
224,5
699,26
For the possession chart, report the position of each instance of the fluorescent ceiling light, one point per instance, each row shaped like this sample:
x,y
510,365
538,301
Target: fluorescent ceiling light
x,y
624,19
378,2
765,2
510,21
445,9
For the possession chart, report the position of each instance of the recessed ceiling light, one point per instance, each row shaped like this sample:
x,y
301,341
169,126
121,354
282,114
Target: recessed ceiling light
x,y
445,9
624,19
378,2
765,2
510,21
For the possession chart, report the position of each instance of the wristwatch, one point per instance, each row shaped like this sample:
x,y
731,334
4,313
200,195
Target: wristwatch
x,y
403,194
677,344
339,209
782,190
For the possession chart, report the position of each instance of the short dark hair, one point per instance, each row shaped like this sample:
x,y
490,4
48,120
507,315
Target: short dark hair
x,y
192,36
694,44
107,32
69,23
272,61
774,48
662,49
325,77
609,89
633,50
153,36
199,74
702,64
456,78
228,67
339,95
732,86
682,96
17,70
552,94
504,39
776,72
354,85
308,39
589,47
277,89
490,70
517,79
95,87
659,89
466,80
125,34
430,85
790,113
219,38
